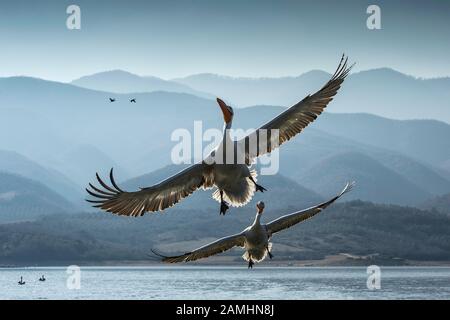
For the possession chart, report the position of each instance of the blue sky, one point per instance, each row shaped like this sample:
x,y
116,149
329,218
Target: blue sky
x,y
239,38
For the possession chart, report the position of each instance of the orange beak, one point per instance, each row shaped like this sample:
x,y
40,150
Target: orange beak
x,y
226,113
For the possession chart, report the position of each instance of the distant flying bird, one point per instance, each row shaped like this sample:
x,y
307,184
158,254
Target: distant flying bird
x,y
133,100
235,183
112,100
255,238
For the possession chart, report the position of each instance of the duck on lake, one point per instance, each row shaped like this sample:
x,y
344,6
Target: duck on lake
x,y
21,282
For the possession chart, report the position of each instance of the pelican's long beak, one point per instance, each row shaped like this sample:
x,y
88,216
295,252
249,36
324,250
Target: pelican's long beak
x,y
227,116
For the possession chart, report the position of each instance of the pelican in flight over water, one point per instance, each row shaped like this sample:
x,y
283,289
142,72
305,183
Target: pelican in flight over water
x,y
235,183
255,239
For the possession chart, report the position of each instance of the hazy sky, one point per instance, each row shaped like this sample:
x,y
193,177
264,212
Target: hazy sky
x,y
234,37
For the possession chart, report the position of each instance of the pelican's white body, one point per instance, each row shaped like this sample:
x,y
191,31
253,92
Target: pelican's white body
x,y
234,178
256,241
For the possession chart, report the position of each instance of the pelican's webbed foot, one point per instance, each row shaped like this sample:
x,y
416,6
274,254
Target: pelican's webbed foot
x,y
223,207
250,264
257,186
260,188
270,254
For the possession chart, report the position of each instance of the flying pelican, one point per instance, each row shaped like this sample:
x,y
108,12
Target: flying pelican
x,y
255,238
112,100
235,182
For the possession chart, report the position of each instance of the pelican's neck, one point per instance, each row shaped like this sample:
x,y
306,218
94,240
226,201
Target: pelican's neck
x,y
226,130
257,219
227,126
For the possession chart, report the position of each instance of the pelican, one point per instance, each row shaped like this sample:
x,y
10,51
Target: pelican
x,y
255,239
235,183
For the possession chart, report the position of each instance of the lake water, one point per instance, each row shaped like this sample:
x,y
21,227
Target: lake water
x,y
226,283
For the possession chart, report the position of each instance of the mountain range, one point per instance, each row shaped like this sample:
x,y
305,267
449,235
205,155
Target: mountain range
x,y
14,163
384,92
56,136
119,81
359,232
25,199
77,131
439,203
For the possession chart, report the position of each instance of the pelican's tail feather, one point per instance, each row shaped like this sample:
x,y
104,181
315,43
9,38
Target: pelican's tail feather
x,y
240,193
246,256
256,256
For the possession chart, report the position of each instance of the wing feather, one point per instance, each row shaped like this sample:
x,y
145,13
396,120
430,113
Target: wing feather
x,y
289,220
292,121
155,198
208,250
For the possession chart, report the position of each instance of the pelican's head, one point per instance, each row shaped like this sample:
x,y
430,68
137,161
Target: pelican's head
x,y
260,207
226,110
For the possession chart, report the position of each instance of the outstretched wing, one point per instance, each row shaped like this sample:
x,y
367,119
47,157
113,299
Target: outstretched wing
x,y
292,121
208,250
155,198
289,220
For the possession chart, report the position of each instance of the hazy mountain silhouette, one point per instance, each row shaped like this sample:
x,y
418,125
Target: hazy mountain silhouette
x,y
60,127
25,199
83,161
408,137
48,121
243,91
12,162
299,156
29,132
389,234
118,81
44,120
375,181
440,203
383,92
424,140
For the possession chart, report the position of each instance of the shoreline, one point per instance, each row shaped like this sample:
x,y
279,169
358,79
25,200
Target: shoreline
x,y
340,260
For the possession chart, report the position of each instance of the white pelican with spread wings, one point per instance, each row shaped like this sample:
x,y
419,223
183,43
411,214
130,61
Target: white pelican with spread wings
x,y
255,239
235,183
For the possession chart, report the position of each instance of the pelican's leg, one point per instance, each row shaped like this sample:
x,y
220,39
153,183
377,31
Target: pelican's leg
x,y
257,186
250,264
269,253
223,205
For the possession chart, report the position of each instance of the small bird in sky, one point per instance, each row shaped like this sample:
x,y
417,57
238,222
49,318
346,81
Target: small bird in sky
x,y
133,100
112,100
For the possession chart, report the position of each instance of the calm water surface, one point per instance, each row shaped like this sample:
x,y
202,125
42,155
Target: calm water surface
x,y
227,283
